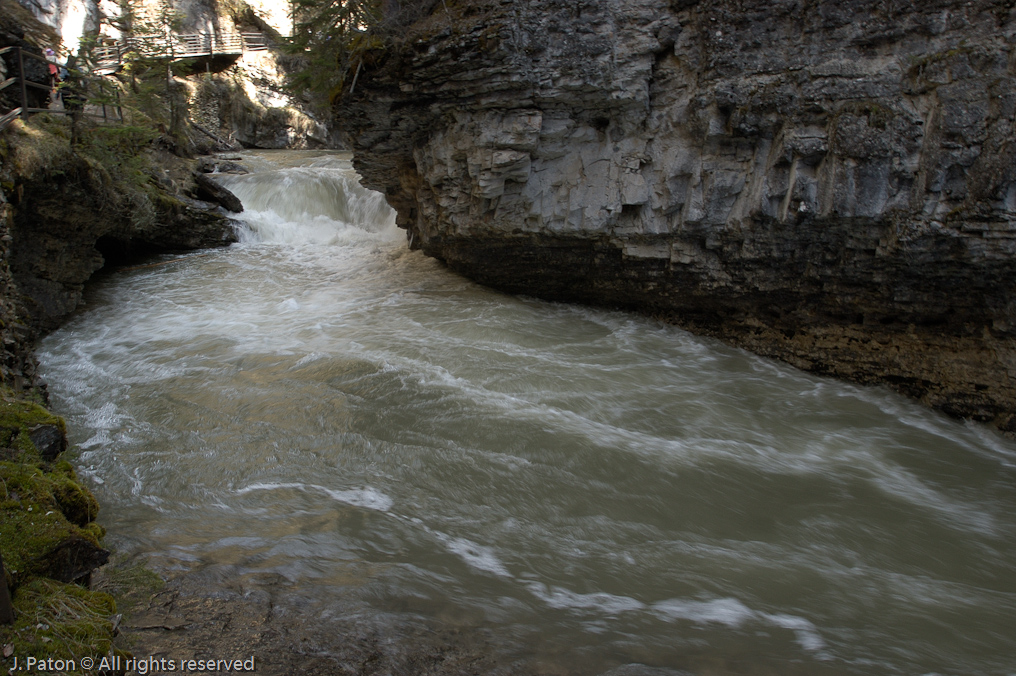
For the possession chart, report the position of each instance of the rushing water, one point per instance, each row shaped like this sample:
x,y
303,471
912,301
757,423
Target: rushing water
x,y
320,403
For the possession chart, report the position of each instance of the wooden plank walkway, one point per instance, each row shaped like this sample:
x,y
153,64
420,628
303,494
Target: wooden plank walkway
x,y
178,46
109,58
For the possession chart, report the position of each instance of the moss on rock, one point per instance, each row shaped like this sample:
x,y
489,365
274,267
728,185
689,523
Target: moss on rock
x,y
46,513
76,502
18,420
59,620
36,536
49,539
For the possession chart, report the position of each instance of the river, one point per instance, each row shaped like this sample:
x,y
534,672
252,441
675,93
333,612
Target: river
x,y
319,403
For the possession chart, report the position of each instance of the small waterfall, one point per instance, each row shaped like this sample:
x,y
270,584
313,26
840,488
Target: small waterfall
x,y
296,199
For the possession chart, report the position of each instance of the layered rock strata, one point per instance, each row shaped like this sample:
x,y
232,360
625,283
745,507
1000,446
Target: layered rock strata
x,y
829,183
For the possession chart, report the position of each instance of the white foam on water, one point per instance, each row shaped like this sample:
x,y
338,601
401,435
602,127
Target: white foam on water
x,y
602,602
900,484
322,204
732,613
106,417
477,556
807,633
727,611
368,498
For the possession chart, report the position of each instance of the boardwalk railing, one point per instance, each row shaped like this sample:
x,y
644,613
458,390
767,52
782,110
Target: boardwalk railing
x,y
23,110
178,46
25,83
107,59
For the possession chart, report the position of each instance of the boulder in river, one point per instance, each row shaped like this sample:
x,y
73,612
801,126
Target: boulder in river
x,y
213,192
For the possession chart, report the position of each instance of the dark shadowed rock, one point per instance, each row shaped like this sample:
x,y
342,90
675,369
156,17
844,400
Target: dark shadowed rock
x,y
49,440
213,192
212,165
71,560
6,609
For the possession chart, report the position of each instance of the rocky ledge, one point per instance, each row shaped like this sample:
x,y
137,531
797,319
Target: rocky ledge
x,y
829,183
119,195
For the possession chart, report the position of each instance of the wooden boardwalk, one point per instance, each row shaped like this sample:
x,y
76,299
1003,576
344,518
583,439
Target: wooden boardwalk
x,y
178,46
109,58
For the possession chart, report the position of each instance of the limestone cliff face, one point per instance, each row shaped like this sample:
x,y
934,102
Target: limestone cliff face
x,y
71,19
248,105
832,183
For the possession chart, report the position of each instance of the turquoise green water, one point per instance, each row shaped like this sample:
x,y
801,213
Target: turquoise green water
x,y
604,490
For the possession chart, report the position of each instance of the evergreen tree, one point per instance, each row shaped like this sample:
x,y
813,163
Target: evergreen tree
x,y
332,36
339,37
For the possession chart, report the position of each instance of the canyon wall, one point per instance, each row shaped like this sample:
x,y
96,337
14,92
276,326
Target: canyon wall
x,y
830,183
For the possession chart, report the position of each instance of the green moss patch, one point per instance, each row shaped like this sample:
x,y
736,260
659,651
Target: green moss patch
x,y
18,418
62,621
75,501
37,536
46,514
49,538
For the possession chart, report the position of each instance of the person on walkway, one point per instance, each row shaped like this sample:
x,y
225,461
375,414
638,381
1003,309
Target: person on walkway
x,y
54,74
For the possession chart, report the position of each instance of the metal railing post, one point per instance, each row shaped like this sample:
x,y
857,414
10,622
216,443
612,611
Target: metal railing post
x,y
24,87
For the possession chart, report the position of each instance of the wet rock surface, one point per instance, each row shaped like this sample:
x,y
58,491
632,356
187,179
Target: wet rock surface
x,y
214,165
18,366
207,616
72,560
829,184
50,441
212,191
